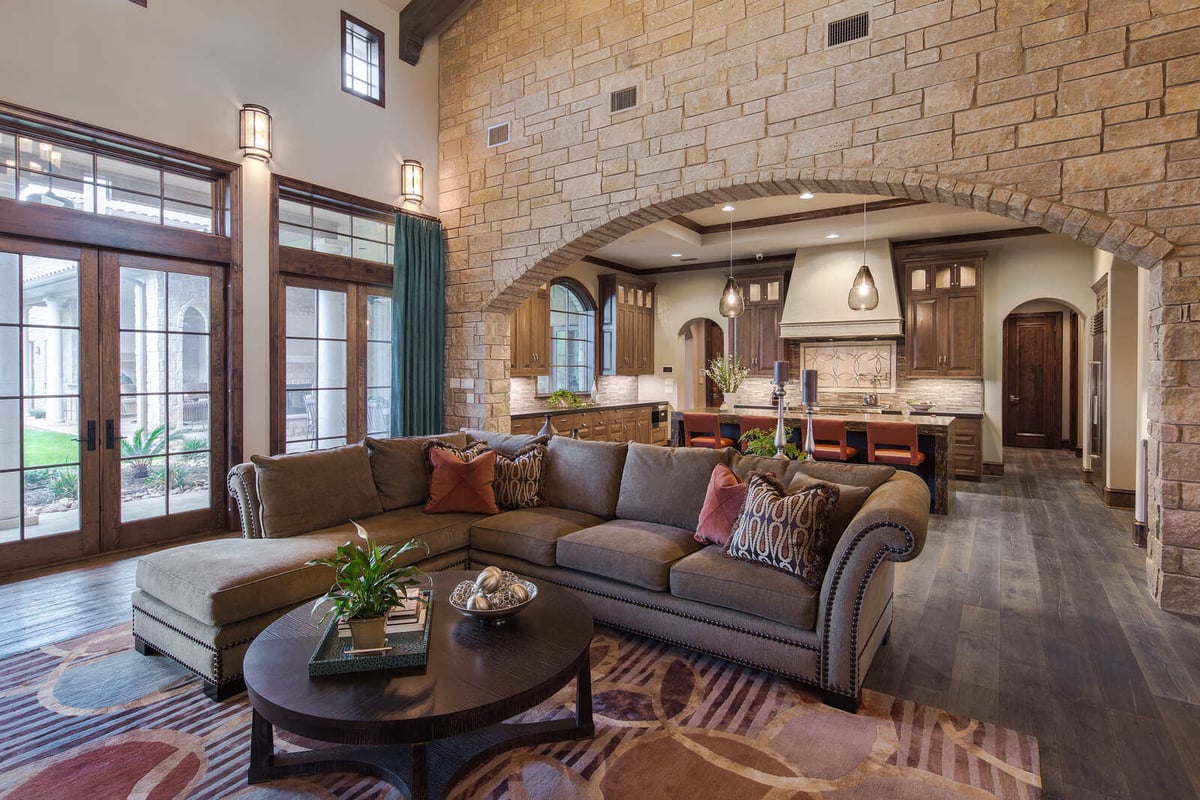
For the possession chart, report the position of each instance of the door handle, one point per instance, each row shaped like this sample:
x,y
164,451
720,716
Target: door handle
x,y
91,435
1012,398
110,435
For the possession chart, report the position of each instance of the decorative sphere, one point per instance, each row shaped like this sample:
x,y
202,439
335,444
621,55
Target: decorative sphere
x,y
519,592
490,580
478,602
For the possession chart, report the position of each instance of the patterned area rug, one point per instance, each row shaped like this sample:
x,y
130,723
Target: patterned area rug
x,y
90,718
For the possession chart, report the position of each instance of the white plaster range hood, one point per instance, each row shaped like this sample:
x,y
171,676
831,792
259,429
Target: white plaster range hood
x,y
816,306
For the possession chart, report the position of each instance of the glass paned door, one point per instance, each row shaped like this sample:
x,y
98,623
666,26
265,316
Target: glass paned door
x,y
379,363
163,351
315,347
48,465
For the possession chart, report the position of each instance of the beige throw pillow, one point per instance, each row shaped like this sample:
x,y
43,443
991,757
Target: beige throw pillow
x,y
305,492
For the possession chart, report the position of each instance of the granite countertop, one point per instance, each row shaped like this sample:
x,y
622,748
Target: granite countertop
x,y
541,412
795,416
841,411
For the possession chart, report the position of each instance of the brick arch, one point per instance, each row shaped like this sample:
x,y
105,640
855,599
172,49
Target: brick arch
x,y
1130,242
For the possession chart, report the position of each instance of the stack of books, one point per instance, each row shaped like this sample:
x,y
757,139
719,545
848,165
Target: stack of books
x,y
406,618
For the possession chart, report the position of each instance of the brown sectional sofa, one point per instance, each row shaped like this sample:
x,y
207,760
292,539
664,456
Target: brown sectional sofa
x,y
617,530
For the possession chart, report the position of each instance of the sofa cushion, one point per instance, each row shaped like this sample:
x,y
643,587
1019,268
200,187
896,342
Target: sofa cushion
x,y
584,476
850,500
667,484
722,506
458,485
710,576
519,478
508,443
530,534
630,551
785,531
307,491
400,470
872,475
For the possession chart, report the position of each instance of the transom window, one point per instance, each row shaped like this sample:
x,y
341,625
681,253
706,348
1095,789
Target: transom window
x,y
362,59
40,171
309,226
572,339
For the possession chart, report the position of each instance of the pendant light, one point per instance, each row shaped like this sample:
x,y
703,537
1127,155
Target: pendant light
x,y
731,304
863,294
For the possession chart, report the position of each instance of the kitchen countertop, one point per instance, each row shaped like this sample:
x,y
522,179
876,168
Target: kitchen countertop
x,y
538,413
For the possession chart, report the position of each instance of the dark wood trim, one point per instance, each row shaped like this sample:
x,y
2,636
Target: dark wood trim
x,y
768,262
422,18
378,34
31,221
607,264
597,323
109,342
294,261
276,393
799,216
234,337
1140,531
993,468
1119,498
1073,384
968,238
334,200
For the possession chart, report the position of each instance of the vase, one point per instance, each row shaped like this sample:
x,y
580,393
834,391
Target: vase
x,y
369,634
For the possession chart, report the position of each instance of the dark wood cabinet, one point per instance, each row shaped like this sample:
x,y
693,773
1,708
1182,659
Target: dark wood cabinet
x,y
627,326
944,316
601,424
530,336
756,332
966,442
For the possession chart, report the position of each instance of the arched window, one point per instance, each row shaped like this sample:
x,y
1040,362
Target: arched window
x,y
572,338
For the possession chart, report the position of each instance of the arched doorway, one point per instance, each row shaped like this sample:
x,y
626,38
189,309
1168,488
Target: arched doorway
x,y
1040,375
703,340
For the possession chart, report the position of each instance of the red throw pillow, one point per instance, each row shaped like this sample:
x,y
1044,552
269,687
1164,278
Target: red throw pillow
x,y
722,506
458,485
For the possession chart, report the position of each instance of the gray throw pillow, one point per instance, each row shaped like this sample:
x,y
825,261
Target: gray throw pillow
x,y
400,470
584,476
667,485
850,500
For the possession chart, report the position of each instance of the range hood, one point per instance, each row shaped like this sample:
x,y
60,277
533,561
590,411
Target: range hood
x,y
816,307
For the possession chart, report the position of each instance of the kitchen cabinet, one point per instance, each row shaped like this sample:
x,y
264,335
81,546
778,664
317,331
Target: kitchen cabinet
x,y
944,316
756,332
627,326
602,424
966,438
530,336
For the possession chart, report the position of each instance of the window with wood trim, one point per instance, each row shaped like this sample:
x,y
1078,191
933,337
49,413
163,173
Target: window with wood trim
x,y
362,59
572,339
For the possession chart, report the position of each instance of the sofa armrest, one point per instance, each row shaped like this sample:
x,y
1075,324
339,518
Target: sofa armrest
x,y
891,526
243,488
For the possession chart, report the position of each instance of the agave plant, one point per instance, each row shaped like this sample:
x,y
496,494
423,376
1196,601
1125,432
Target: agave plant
x,y
142,445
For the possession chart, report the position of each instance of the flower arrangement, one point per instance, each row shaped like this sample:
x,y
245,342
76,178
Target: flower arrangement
x,y
727,373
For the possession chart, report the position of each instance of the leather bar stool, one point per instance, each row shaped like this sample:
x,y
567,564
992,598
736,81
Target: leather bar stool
x,y
829,440
704,430
893,443
749,422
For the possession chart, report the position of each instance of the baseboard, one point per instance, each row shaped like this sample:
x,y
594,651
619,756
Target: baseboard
x,y
994,468
1118,498
1139,534
1079,452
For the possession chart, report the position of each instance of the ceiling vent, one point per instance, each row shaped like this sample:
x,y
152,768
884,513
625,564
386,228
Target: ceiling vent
x,y
622,99
847,29
498,135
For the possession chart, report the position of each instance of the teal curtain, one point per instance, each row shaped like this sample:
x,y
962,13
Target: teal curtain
x,y
418,326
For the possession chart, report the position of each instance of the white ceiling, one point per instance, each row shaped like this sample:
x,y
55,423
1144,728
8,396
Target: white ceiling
x,y
653,246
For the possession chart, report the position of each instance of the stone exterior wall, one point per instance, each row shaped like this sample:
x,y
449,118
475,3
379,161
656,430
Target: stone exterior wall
x,y
1078,116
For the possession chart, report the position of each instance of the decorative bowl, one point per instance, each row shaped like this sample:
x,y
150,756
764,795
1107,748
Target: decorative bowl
x,y
916,405
495,616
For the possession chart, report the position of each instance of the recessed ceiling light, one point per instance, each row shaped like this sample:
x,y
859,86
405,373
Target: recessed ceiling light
x,y
806,196
831,236
676,255
727,207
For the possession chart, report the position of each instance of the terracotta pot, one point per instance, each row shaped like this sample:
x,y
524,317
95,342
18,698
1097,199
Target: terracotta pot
x,y
368,634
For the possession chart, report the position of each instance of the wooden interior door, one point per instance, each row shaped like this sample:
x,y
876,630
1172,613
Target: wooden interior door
x,y
1033,380
714,347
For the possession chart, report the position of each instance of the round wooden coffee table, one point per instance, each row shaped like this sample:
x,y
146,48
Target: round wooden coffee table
x,y
421,729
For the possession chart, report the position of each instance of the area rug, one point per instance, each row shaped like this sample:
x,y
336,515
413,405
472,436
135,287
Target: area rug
x,y
90,718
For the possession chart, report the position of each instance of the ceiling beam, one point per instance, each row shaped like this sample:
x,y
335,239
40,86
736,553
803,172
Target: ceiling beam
x,y
420,19
799,216
966,238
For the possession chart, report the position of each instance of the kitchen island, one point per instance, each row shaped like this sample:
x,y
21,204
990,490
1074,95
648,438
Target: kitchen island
x,y
934,439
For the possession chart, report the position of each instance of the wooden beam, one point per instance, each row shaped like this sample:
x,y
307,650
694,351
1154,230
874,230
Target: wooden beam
x,y
420,19
800,216
967,238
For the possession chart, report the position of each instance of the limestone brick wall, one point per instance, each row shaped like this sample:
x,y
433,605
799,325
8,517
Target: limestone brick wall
x,y
1079,116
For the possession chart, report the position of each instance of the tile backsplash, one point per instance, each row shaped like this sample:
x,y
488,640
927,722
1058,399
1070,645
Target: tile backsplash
x,y
613,390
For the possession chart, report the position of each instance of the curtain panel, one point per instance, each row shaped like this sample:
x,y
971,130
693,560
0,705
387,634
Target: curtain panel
x,y
418,326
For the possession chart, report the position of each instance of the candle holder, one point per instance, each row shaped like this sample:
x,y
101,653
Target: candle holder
x,y
780,431
809,397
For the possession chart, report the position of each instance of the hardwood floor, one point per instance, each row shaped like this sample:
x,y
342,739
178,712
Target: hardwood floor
x,y
1027,608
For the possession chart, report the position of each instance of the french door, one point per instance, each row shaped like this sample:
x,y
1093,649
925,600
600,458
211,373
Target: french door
x,y
112,412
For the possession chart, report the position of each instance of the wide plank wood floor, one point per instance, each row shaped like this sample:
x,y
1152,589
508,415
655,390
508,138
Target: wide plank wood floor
x,y
1027,608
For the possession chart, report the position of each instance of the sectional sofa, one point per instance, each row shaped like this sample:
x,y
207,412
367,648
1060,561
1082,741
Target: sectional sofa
x,y
617,529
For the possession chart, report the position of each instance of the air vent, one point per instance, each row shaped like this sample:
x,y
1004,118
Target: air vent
x,y
498,135
847,29
623,99
1098,322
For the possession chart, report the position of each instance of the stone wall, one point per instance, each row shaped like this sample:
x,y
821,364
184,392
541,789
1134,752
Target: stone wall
x,y
1077,116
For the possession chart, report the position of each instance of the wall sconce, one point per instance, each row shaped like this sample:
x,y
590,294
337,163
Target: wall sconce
x,y
255,139
412,181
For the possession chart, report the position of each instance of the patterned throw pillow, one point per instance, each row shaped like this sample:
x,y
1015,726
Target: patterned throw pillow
x,y
785,531
519,479
461,453
458,485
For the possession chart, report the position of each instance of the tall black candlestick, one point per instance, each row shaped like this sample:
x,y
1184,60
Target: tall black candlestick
x,y
808,388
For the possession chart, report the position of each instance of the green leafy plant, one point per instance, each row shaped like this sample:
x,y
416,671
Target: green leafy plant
x,y
64,483
761,442
144,444
564,398
727,373
367,582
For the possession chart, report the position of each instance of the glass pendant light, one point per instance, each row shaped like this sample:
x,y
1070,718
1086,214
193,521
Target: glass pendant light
x,y
863,294
731,304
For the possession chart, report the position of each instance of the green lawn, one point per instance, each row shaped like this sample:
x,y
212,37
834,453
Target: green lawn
x,y
49,447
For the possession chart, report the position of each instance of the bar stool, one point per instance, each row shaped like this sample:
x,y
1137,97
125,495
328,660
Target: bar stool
x,y
703,430
749,422
829,440
893,443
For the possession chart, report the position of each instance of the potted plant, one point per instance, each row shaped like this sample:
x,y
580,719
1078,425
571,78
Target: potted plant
x,y
367,584
727,373
761,442
564,398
